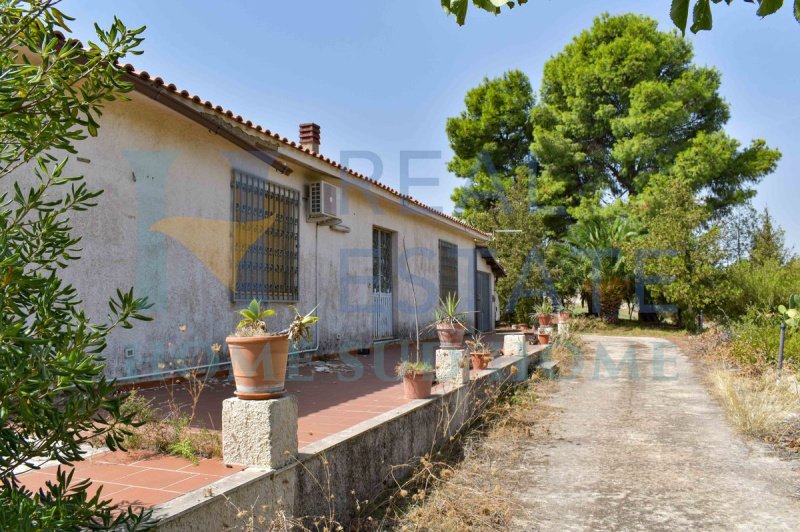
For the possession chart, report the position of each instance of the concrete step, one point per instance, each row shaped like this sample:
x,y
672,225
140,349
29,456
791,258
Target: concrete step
x,y
548,367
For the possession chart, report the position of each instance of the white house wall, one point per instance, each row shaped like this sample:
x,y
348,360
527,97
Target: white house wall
x,y
163,226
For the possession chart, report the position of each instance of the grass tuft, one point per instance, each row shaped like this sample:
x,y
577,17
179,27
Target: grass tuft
x,y
757,406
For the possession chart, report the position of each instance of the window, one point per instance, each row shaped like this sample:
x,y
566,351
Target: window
x,y
266,230
448,269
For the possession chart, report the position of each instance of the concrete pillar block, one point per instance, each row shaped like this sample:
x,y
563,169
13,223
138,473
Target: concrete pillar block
x,y
452,367
563,328
521,366
259,433
514,345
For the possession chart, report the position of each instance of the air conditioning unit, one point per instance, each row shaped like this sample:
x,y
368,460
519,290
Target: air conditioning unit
x,y
323,201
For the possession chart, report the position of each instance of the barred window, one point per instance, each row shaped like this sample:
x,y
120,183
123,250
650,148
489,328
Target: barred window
x,y
266,226
448,269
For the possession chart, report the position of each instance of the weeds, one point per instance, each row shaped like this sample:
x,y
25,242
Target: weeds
x,y
757,406
758,400
466,484
563,350
169,430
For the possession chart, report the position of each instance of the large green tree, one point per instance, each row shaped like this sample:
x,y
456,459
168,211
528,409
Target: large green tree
x,y
701,13
679,257
491,142
623,103
54,398
517,243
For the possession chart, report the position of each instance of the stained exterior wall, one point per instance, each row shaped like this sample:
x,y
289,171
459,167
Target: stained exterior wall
x,y
163,226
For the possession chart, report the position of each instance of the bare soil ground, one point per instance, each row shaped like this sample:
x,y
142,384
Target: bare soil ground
x,y
639,444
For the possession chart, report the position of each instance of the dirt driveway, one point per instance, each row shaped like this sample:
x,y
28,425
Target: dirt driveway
x,y
640,445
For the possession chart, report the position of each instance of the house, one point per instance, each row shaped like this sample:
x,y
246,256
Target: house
x,y
204,211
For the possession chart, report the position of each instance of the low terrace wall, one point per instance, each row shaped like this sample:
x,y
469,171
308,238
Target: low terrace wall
x,y
330,475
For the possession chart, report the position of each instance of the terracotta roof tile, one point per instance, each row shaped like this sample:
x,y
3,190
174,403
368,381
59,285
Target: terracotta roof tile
x,y
228,113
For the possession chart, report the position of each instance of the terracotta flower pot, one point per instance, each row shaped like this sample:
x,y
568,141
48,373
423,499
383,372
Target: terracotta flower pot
x,y
544,338
417,385
259,365
545,319
480,360
563,317
450,335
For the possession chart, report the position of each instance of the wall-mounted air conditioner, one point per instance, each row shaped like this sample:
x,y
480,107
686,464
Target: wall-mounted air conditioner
x,y
323,201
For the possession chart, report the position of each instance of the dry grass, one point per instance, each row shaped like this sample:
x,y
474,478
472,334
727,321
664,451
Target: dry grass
x,y
757,406
564,349
471,486
626,327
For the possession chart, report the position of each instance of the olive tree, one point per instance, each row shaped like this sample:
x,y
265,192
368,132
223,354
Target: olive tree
x,y
54,396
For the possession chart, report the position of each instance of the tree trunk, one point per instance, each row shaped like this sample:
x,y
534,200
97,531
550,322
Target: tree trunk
x,y
612,293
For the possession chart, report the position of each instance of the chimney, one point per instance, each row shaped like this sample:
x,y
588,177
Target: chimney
x,y
309,136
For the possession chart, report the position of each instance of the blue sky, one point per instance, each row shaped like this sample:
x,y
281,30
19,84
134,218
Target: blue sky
x,y
383,76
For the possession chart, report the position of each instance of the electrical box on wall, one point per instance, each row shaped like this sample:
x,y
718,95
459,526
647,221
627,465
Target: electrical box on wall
x,y
323,201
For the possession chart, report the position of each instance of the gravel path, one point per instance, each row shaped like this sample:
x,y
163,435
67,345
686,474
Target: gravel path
x,y
640,445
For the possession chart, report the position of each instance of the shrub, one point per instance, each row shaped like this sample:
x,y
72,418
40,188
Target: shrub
x,y
755,341
54,396
759,287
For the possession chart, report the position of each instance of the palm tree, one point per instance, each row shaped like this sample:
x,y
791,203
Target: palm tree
x,y
597,246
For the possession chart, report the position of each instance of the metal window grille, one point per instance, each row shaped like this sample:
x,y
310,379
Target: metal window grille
x,y
448,269
266,227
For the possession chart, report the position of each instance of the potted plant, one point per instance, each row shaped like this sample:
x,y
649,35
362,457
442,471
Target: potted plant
x,y
480,353
544,335
544,311
448,322
417,378
563,315
259,357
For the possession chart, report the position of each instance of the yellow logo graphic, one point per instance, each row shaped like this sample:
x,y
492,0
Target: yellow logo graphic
x,y
209,240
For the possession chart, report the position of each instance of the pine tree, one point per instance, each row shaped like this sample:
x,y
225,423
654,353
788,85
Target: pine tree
x,y
768,243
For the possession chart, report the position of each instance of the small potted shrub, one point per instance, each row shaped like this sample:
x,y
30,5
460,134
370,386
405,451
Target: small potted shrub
x,y
479,352
259,357
544,312
563,315
448,322
417,378
544,335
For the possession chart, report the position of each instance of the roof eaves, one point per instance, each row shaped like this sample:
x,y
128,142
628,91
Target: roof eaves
x,y
157,82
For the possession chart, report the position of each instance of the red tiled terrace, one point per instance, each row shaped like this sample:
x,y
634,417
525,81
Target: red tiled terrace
x,y
328,403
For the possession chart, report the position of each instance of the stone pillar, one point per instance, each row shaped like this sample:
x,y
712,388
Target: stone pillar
x,y
259,433
521,366
563,328
452,367
514,345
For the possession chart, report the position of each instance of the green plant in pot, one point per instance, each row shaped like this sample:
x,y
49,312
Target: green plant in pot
x,y
544,312
449,322
479,351
417,378
259,357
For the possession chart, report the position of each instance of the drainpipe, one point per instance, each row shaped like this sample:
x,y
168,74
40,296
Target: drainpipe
x,y
167,372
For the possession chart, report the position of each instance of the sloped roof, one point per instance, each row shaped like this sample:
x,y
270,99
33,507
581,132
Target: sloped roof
x,y
227,114
491,259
